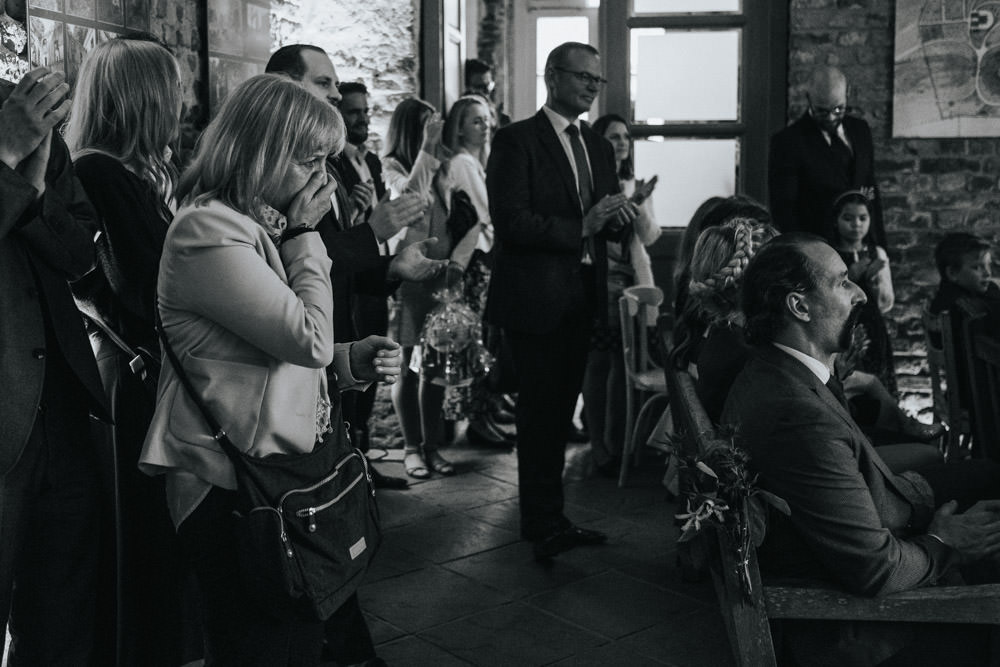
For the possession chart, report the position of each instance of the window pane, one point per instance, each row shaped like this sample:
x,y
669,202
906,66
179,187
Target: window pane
x,y
690,171
551,31
703,84
685,6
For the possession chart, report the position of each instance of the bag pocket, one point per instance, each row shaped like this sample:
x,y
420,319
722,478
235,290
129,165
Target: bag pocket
x,y
268,564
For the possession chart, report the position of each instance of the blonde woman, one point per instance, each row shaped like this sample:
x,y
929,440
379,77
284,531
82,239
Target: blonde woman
x,y
126,112
246,302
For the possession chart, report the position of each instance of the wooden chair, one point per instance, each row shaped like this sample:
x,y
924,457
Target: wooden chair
x,y
983,361
747,617
942,364
643,377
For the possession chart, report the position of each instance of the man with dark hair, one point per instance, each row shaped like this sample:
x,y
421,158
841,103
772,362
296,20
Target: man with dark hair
x,y
853,522
360,172
49,478
479,81
820,156
554,200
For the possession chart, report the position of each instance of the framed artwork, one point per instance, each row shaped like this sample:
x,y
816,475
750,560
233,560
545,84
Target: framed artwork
x,y
946,69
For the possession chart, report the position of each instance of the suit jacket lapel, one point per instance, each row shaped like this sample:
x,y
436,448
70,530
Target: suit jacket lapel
x,y
547,138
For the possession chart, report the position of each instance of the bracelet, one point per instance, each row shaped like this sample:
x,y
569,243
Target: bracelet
x,y
292,232
932,535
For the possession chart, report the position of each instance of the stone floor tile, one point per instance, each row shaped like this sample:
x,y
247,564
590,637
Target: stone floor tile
x,y
514,634
463,491
612,604
697,639
608,654
449,536
512,569
392,561
503,514
420,600
416,652
399,508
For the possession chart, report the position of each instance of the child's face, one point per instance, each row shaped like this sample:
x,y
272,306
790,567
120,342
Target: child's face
x,y
852,223
974,273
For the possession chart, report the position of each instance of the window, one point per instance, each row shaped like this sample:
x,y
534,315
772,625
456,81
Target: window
x,y
704,91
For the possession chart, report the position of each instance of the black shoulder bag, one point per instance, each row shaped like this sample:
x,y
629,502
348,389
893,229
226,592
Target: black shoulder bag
x,y
307,525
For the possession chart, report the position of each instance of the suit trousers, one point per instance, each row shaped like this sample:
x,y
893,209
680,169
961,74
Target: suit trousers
x,y
49,530
549,369
371,318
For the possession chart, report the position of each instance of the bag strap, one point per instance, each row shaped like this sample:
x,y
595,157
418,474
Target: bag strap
x,y
218,433
136,362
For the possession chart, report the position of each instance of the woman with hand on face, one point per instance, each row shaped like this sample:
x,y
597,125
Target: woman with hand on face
x,y
628,265
246,303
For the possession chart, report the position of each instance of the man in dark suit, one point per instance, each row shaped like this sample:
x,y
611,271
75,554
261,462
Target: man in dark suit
x,y
819,157
554,200
360,172
853,522
49,482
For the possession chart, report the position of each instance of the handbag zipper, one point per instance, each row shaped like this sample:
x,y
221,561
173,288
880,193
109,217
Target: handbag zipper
x,y
311,511
281,522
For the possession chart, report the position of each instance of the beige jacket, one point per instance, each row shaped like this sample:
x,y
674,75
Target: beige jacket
x,y
253,327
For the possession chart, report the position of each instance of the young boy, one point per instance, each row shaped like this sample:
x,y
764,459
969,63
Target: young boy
x,y
965,264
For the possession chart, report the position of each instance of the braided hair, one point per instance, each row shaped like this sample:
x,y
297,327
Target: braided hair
x,y
721,256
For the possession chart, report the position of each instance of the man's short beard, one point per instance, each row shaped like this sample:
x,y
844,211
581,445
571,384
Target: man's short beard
x,y
847,333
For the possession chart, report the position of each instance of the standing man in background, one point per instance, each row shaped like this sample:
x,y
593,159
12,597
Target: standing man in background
x,y
554,200
820,156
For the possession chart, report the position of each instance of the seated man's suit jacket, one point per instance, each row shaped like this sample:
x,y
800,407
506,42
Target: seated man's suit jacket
x,y
535,208
853,522
805,177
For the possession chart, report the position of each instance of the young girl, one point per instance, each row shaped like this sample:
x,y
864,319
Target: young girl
x,y
868,267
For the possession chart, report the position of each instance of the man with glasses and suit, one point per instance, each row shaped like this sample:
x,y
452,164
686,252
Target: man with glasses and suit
x,y
555,201
820,156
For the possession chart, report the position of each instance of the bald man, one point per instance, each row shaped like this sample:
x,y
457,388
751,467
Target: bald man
x,y
821,155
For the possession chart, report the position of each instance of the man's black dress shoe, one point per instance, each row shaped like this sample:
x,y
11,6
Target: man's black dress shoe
x,y
380,481
566,539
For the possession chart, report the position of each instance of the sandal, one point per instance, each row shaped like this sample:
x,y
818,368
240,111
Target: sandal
x,y
439,464
415,466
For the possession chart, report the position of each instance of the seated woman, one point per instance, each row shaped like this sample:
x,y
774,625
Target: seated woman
x,y
720,256
246,303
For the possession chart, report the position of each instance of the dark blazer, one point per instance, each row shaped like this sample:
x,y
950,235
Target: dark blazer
x,y
535,208
42,245
804,177
852,522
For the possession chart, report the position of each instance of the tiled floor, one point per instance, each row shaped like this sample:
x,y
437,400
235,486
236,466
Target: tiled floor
x,y
455,585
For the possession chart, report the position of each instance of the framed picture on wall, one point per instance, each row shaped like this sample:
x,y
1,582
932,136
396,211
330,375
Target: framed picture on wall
x,y
946,69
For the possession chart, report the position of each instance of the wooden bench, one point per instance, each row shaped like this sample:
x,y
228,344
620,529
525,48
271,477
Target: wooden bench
x,y
746,615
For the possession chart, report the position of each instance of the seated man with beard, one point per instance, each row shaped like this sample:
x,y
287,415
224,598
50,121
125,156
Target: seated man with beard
x,y
853,522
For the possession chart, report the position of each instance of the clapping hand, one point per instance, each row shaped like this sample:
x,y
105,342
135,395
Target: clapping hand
x,y
643,189
37,104
432,137
362,197
413,264
376,359
614,211
389,216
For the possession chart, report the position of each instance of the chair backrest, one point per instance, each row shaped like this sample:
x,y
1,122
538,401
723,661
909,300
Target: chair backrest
x,y
983,362
936,365
637,307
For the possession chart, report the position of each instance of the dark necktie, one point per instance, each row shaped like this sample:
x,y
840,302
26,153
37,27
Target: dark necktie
x,y
582,168
836,387
843,154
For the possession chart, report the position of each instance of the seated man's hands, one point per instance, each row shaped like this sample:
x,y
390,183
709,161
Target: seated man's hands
x,y
974,534
389,216
376,359
614,211
413,264
312,201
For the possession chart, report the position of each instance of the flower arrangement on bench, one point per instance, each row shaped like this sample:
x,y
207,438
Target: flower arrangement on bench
x,y
720,492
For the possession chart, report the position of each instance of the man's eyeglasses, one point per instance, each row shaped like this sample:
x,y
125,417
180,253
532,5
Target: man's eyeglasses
x,y
584,77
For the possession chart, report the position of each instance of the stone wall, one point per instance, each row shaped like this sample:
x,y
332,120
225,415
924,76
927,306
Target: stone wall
x,y
929,186
375,41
